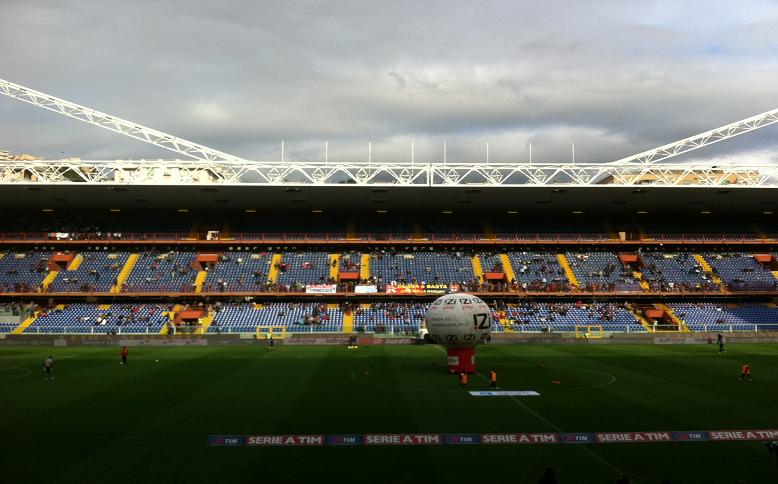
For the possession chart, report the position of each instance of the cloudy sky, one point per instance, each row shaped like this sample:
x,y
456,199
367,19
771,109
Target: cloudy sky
x,y
613,76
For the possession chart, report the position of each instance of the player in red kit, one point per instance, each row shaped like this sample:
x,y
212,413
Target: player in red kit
x,y
124,354
745,372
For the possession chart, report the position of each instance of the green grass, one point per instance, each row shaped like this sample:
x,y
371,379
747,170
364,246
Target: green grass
x,y
147,422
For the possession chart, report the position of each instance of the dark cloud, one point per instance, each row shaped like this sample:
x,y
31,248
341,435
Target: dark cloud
x,y
614,77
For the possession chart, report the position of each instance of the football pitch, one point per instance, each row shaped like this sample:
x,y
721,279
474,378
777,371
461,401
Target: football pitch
x,y
149,421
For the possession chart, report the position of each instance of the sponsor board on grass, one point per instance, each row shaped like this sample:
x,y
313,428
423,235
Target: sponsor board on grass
x,y
492,438
314,341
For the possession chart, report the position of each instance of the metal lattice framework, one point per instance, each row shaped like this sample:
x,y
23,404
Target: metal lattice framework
x,y
178,172
211,166
704,139
112,123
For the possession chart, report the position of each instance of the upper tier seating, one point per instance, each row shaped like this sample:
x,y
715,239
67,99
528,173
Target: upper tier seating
x,y
601,271
675,271
97,273
304,268
238,271
169,271
536,271
350,261
741,271
417,267
23,271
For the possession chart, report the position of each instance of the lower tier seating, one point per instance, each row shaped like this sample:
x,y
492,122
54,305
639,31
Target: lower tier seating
x,y
723,317
90,318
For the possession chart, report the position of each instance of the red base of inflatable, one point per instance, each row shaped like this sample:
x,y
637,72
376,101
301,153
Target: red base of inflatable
x,y
461,360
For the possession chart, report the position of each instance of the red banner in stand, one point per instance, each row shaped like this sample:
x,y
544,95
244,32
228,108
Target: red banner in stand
x,y
405,289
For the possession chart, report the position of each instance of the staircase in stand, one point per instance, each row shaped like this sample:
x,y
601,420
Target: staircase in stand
x,y
348,321
709,270
681,324
25,324
125,272
200,280
562,259
477,269
47,281
272,275
507,268
334,266
364,267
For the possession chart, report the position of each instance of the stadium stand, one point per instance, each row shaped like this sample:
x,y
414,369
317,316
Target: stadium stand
x,y
23,271
538,316
238,271
741,271
162,272
417,267
536,271
727,317
391,317
96,272
298,317
92,318
675,271
301,268
601,271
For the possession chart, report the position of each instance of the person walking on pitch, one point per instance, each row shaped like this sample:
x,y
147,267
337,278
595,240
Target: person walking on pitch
x,y
48,368
462,379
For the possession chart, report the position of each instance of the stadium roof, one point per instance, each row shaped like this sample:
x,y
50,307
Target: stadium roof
x,y
365,199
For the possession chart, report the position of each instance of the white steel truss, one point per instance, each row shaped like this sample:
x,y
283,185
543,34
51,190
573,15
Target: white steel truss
x,y
177,173
704,139
212,167
112,123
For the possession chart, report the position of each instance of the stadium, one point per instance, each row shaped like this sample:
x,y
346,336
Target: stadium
x,y
277,314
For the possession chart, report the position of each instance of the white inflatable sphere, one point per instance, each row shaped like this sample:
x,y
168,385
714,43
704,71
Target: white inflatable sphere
x,y
459,320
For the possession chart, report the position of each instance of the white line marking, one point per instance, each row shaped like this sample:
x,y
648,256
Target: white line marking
x,y
14,377
553,426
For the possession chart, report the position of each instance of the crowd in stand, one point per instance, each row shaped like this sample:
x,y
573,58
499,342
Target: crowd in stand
x,y
526,312
696,279
741,272
408,314
537,274
534,272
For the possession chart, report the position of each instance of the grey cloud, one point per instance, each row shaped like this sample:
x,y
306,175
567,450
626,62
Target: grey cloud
x,y
614,77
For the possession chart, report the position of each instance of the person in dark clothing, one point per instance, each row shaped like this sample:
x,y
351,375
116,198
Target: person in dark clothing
x,y
720,342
